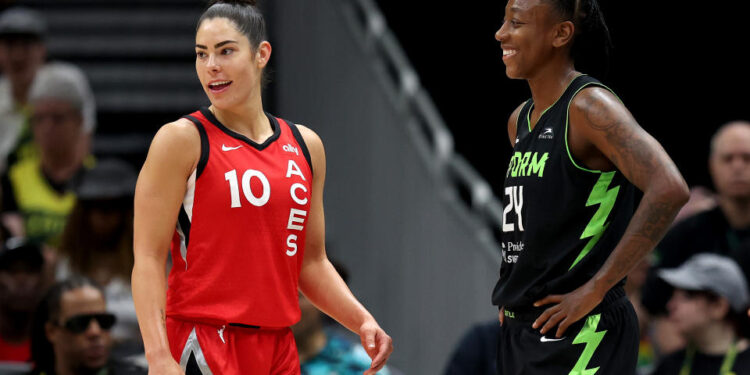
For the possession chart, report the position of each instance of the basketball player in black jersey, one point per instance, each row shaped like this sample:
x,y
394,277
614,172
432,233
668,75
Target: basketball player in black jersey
x,y
571,231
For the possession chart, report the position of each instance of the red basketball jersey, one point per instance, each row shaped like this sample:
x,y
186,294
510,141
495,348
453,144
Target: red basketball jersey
x,y
237,251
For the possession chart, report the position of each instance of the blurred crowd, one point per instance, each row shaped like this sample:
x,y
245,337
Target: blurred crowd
x,y
66,231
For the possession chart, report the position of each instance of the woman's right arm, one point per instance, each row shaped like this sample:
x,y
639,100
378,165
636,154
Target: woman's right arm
x,y
160,190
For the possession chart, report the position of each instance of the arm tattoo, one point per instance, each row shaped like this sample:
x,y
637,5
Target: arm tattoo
x,y
635,155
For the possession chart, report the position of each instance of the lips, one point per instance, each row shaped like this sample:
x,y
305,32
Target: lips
x,y
508,53
218,86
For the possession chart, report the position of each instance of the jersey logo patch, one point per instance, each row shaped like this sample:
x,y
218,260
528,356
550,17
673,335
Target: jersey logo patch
x,y
227,148
547,134
289,148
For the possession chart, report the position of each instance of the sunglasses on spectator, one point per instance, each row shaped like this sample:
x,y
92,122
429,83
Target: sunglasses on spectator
x,y
80,323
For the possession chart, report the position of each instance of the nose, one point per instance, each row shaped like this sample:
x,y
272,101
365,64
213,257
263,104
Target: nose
x,y
213,64
94,329
501,34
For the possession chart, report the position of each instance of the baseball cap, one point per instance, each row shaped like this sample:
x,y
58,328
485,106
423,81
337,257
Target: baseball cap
x,y
21,21
712,273
108,179
16,250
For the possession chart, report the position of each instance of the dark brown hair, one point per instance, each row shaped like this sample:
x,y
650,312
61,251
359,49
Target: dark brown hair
x,y
592,44
79,244
244,14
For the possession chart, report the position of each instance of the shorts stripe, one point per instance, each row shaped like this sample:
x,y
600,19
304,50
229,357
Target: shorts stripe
x,y
192,346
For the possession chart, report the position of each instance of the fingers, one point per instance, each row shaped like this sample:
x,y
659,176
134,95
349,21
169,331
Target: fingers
x,y
501,316
549,300
553,321
368,341
545,316
385,348
563,326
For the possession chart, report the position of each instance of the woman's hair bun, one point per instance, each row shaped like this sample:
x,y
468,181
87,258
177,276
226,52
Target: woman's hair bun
x,y
233,2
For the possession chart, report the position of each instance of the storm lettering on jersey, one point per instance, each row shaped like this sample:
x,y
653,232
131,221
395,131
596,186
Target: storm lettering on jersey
x,y
297,217
528,163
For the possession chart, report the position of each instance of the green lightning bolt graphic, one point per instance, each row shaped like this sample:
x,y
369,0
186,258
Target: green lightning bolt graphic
x,y
591,338
606,200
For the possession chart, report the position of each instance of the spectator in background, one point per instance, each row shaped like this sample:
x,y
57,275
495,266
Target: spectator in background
x,y
708,307
720,230
98,243
38,193
701,199
476,354
71,332
22,53
21,286
324,346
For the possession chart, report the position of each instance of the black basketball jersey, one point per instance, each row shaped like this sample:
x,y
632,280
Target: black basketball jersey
x,y
560,220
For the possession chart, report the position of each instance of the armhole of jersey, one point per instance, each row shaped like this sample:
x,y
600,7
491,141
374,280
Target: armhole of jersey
x,y
567,123
204,145
301,142
518,117
184,224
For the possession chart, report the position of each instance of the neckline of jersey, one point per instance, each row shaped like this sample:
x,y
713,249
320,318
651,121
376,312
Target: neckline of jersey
x,y
531,108
258,146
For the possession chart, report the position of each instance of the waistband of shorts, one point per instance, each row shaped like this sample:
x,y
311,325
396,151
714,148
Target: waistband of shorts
x,y
531,313
224,325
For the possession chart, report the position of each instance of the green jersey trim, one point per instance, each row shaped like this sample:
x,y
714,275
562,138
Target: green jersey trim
x,y
567,121
518,119
605,198
592,339
528,114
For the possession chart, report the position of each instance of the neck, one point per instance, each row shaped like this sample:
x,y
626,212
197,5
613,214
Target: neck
x,y
736,210
248,120
549,83
311,345
15,327
715,339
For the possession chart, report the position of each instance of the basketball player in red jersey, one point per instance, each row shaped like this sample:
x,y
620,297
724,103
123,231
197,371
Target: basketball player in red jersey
x,y
244,191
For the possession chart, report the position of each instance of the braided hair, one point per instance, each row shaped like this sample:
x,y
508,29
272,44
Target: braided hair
x,y
592,44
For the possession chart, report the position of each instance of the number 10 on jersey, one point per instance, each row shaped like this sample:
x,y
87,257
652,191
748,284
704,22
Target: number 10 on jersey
x,y
296,216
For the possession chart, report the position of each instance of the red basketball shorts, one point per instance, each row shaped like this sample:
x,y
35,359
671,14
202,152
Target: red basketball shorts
x,y
229,350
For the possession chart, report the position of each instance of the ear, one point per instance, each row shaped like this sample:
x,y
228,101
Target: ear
x,y
51,331
263,54
719,309
564,32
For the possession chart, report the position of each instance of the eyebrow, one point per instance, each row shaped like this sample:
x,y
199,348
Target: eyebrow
x,y
217,45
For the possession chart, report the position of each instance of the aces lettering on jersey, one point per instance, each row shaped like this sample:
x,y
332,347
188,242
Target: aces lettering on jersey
x,y
297,191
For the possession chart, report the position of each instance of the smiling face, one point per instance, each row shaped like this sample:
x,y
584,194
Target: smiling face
x,y
228,67
528,37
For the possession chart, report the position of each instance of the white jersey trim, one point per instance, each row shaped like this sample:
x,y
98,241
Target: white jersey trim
x,y
192,346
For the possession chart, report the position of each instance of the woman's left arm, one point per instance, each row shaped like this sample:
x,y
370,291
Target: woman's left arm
x,y
320,282
603,130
